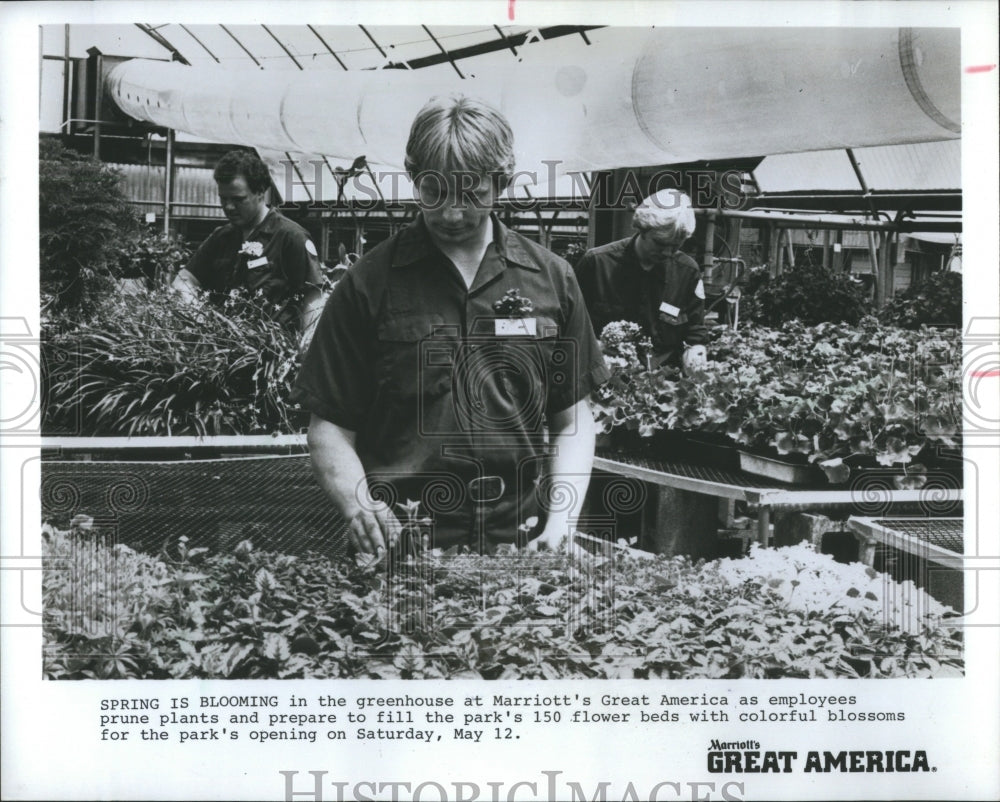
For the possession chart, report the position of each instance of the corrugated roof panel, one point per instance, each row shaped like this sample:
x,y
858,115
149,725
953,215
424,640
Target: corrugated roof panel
x,y
923,166
195,193
822,169
195,188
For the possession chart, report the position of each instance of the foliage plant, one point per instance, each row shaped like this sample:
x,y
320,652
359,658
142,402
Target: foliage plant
x,y
152,257
935,301
151,363
829,393
550,615
89,235
808,293
642,399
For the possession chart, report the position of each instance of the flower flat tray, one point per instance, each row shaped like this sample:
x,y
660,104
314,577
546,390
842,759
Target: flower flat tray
x,y
791,473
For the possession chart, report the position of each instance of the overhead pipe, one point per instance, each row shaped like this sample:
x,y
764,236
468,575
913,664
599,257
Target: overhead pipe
x,y
673,95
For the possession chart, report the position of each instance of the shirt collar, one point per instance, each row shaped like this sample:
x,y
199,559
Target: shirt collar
x,y
415,243
265,226
632,258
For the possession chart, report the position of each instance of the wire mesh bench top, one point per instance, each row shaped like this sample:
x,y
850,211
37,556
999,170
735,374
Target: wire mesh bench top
x,y
272,500
938,540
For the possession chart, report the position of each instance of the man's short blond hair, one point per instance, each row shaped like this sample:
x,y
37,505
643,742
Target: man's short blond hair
x,y
668,210
459,134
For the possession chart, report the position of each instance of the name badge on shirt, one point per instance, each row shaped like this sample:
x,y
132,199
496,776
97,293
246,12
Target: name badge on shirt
x,y
669,311
514,326
257,262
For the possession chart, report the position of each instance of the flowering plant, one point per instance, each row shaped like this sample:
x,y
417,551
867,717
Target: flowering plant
x,y
826,393
513,304
253,249
837,391
625,346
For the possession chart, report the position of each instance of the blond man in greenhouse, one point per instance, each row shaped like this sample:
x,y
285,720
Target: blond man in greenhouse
x,y
451,369
647,280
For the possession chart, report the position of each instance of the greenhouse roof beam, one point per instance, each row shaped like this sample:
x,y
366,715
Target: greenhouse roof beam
x,y
792,218
327,46
371,38
243,47
505,40
160,39
445,52
492,45
282,46
861,180
835,201
203,45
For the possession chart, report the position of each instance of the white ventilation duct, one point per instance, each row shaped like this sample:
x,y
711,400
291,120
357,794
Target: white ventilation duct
x,y
673,95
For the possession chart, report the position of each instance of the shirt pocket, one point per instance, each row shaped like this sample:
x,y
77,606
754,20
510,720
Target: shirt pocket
x,y
415,356
517,373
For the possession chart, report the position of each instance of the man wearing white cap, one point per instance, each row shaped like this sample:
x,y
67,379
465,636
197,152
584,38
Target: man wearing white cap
x,y
646,279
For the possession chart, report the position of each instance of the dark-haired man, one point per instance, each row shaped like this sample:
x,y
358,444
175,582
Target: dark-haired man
x,y
259,250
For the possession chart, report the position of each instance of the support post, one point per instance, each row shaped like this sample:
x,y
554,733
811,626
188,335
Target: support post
x,y
879,284
98,102
168,182
67,99
887,268
764,525
681,522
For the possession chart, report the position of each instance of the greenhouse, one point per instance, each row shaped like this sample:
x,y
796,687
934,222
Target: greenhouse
x,y
789,505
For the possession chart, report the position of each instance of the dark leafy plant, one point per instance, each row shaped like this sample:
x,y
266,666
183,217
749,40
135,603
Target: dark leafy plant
x,y
935,301
151,256
254,614
151,363
828,392
81,211
808,293
89,236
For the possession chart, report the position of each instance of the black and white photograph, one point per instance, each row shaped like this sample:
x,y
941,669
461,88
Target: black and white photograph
x,y
692,466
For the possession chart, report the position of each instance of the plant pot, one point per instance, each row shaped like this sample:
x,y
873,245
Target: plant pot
x,y
779,470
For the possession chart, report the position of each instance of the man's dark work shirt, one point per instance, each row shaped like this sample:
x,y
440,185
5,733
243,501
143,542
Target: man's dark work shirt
x,y
440,389
286,267
616,287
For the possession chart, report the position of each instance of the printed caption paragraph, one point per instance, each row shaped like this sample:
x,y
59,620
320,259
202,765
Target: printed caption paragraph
x,y
430,719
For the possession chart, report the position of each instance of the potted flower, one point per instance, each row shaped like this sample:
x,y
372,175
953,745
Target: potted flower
x,y
842,398
659,406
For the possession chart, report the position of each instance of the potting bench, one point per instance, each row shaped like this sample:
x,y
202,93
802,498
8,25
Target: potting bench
x,y
270,482
876,496
929,551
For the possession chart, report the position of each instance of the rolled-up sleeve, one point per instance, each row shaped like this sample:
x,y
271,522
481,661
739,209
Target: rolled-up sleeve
x,y
696,332
335,381
200,265
300,261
